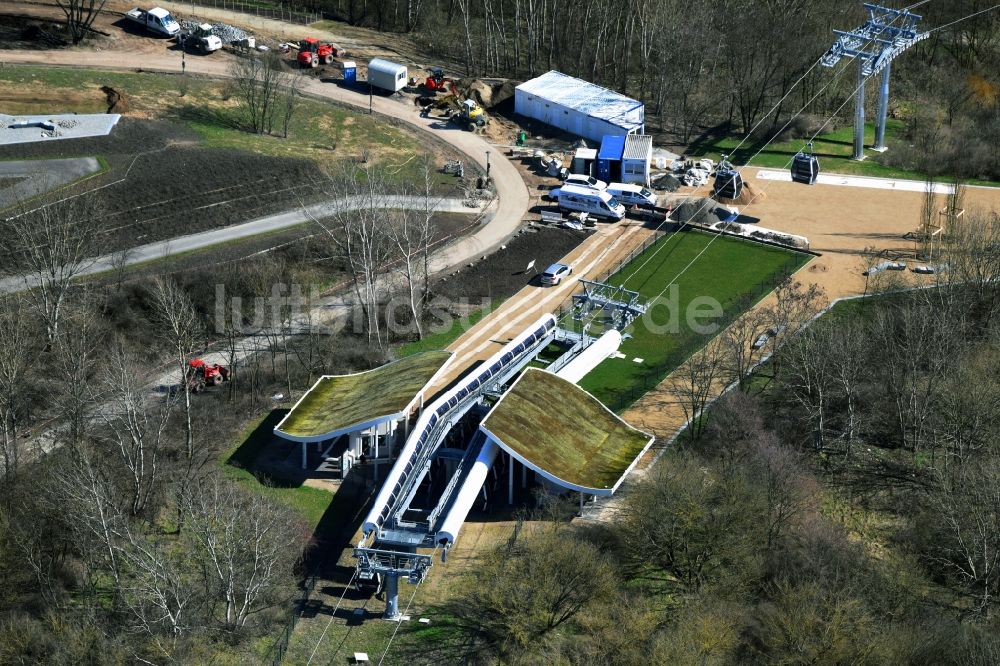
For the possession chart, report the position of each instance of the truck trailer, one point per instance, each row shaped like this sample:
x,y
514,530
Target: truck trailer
x,y
156,20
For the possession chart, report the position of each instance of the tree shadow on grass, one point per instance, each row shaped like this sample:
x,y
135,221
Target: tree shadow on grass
x,y
206,115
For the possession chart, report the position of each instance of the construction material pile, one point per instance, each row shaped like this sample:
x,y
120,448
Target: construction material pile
x,y
227,33
487,92
693,174
750,194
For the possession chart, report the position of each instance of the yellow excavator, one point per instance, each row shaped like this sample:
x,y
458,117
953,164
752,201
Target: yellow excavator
x,y
467,113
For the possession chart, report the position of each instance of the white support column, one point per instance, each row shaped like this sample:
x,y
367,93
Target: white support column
x,y
510,479
304,445
581,504
524,476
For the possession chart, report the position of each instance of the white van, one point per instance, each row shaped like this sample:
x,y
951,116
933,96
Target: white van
x,y
587,200
632,195
583,180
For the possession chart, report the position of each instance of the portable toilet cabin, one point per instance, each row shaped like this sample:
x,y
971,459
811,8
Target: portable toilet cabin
x,y
350,71
609,159
583,161
636,159
386,75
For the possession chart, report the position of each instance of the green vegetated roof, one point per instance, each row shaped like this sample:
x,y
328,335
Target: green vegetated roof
x,y
561,430
336,402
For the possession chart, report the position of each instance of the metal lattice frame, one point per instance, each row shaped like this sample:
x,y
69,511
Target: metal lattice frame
x,y
623,304
886,34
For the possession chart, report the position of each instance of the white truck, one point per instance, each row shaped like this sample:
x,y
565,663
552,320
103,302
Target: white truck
x,y
156,20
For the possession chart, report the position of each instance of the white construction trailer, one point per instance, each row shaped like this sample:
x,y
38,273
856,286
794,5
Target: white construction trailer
x,y
386,75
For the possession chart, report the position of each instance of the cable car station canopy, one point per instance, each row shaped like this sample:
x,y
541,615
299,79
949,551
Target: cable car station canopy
x,y
337,404
565,434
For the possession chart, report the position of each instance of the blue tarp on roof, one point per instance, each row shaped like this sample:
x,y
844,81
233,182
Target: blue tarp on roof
x,y
612,148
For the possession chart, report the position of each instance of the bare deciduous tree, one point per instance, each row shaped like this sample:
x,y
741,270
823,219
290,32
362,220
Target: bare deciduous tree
x,y
15,360
180,326
245,544
135,426
80,16
259,82
695,382
49,248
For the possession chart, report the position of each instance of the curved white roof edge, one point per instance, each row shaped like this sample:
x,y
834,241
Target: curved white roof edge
x,y
552,477
362,425
387,66
395,476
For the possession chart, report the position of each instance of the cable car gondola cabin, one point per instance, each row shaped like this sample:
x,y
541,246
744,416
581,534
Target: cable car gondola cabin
x,y
805,167
728,181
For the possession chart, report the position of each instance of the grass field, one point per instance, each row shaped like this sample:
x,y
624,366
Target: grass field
x,y
238,465
834,150
734,273
320,131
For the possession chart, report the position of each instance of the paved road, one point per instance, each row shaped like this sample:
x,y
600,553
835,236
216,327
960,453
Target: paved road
x,y
267,224
512,193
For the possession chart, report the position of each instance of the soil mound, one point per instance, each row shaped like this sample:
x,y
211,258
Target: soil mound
x,y
750,194
117,102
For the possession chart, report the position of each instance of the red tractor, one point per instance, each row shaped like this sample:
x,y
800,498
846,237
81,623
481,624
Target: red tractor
x,y
312,53
438,81
201,374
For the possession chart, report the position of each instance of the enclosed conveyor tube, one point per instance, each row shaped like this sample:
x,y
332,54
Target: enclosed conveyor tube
x,y
467,494
591,357
395,482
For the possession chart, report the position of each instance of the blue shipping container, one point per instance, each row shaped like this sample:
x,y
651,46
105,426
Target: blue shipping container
x,y
609,157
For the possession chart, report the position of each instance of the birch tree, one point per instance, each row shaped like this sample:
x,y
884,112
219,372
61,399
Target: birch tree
x,y
245,545
179,327
15,359
135,426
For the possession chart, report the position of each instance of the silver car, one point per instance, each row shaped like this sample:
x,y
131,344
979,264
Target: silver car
x,y
555,273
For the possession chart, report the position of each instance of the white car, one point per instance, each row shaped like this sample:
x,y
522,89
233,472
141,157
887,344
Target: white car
x,y
583,180
555,273
632,195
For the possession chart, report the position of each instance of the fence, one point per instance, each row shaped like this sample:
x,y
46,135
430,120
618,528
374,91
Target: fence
x,y
277,652
263,9
622,399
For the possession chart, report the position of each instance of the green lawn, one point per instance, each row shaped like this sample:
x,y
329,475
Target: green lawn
x,y
323,131
733,272
440,339
834,150
310,502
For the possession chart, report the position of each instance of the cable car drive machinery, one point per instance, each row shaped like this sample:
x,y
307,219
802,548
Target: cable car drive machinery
x,y
728,181
805,166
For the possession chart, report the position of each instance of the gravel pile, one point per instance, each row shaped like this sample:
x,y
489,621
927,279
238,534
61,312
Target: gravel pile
x,y
227,33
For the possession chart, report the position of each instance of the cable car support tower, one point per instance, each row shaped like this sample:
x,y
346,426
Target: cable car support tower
x,y
886,34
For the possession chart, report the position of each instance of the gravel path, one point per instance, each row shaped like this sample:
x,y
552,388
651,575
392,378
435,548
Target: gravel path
x,y
40,176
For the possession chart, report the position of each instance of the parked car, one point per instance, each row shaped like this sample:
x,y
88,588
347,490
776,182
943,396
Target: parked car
x,y
632,195
555,273
584,180
586,200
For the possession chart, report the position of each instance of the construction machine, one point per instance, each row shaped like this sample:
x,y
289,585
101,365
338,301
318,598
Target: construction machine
x,y
312,53
438,81
201,374
467,113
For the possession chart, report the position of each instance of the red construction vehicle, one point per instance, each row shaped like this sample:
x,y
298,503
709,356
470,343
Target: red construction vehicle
x,y
438,81
312,53
201,374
